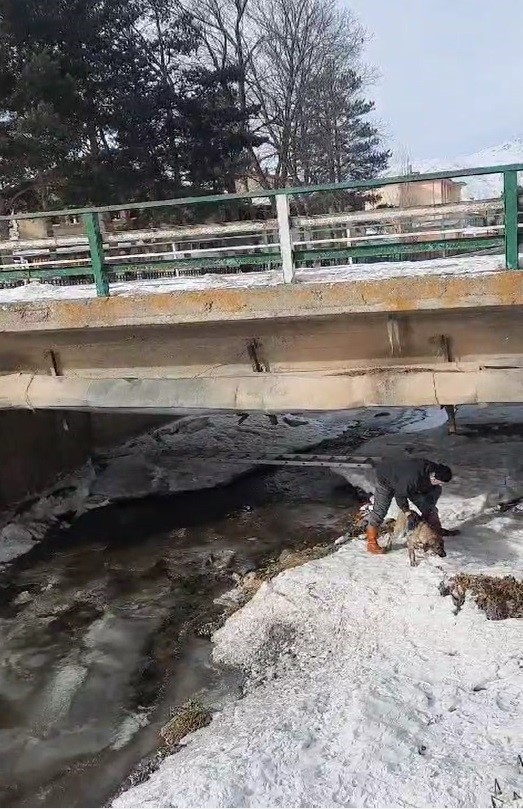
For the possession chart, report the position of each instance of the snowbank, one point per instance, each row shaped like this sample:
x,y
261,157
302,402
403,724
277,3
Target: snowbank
x,y
363,687
461,265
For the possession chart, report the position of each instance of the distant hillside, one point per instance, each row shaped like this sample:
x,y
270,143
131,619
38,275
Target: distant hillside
x,y
477,187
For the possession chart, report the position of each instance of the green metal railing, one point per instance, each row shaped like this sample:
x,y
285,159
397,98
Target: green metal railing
x,y
287,253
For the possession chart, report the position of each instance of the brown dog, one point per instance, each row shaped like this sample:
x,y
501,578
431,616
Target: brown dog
x,y
422,539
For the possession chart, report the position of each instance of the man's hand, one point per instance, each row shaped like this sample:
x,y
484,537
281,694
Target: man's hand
x,y
412,520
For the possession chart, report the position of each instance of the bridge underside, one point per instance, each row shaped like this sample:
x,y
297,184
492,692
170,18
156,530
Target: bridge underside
x,y
290,393
359,344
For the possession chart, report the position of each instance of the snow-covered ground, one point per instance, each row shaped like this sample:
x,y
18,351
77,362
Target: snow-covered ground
x,y
460,265
363,687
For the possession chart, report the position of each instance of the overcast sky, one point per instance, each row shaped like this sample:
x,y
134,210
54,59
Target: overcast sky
x,y
451,72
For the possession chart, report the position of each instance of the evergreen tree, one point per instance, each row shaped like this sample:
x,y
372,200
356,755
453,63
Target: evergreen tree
x,y
193,134
60,62
100,101
342,142
216,139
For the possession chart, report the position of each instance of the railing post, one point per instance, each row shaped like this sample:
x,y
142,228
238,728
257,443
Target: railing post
x,y
510,196
96,246
284,228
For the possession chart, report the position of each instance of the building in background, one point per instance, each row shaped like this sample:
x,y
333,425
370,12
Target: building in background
x,y
418,195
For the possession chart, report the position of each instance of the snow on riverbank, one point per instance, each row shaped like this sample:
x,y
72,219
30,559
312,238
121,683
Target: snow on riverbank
x,y
178,457
486,470
363,687
459,265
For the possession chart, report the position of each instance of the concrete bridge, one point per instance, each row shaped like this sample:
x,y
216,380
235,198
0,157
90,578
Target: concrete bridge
x,y
299,337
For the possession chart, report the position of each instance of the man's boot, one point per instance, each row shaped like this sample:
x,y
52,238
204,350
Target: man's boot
x,y
372,541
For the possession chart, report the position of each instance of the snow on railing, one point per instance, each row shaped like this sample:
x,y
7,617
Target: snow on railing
x,y
284,236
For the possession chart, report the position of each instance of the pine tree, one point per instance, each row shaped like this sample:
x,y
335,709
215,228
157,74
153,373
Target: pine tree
x,y
186,130
101,101
342,142
216,137
60,63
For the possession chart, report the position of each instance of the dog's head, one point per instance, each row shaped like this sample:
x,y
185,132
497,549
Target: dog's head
x,y
435,547
430,541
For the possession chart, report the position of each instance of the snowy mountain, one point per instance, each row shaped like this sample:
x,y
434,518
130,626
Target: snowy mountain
x,y
485,187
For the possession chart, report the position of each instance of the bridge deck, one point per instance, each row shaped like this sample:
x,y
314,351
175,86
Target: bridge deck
x,y
279,337
455,283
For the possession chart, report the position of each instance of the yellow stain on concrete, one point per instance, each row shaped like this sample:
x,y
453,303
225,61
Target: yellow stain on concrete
x,y
301,300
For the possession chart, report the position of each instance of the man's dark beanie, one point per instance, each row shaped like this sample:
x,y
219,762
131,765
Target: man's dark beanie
x,y
442,472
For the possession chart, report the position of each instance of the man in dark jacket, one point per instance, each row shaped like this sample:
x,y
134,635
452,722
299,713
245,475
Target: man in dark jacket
x,y
414,479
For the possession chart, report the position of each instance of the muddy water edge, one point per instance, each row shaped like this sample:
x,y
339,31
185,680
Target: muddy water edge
x,y
105,625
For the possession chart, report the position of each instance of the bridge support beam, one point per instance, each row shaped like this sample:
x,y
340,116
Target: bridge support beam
x,y
397,386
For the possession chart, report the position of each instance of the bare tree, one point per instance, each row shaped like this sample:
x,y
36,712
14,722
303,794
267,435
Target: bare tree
x,y
224,25
299,40
300,76
407,193
230,39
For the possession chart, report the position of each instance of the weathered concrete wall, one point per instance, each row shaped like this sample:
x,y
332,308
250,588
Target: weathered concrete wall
x,y
450,384
416,358
303,300
36,447
307,345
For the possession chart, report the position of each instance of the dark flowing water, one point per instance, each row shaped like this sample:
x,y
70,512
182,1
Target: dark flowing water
x,y
99,625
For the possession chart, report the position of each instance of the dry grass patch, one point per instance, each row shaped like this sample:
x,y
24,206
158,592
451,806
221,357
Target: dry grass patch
x,y
290,559
498,597
287,560
186,719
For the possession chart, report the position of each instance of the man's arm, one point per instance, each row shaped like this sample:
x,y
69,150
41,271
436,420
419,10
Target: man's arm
x,y
402,503
427,502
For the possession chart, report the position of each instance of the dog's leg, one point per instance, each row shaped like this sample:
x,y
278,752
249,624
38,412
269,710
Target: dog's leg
x,y
412,557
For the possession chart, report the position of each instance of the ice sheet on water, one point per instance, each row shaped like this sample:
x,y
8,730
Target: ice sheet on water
x,y
180,456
